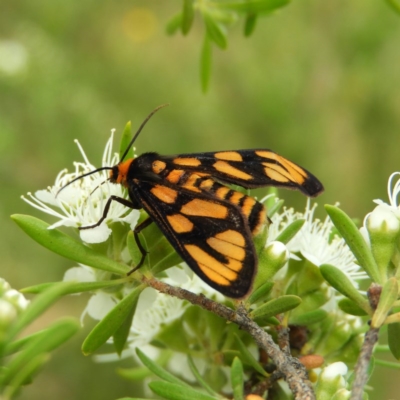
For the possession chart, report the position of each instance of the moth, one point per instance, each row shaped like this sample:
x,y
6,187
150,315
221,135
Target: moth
x,y
209,224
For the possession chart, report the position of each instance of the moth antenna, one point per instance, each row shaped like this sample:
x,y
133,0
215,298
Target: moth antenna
x,y
83,176
140,129
102,183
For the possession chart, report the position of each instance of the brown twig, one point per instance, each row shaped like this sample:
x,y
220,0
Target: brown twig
x,y
294,372
370,339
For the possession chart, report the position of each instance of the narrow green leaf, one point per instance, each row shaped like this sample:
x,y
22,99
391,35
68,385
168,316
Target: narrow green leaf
x,y
389,294
187,16
290,231
111,322
75,287
174,24
159,371
24,374
133,248
250,24
125,140
140,373
261,293
355,241
393,339
121,334
51,338
199,378
205,63
275,207
169,261
252,6
308,318
64,245
37,307
237,379
247,358
215,31
276,306
394,4
350,307
173,391
343,285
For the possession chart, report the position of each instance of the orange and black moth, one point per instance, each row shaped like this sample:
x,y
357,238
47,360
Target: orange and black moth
x,y
210,225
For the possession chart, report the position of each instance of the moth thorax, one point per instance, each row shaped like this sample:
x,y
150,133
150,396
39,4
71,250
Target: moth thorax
x,y
119,172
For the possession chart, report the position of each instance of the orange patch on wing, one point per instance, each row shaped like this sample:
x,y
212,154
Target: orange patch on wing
x,y
260,221
228,156
175,175
158,166
232,236
203,208
227,249
179,223
222,192
224,167
207,184
296,173
235,198
187,161
248,205
211,267
276,172
164,194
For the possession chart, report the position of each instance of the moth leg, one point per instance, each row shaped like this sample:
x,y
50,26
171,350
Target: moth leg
x,y
124,202
143,251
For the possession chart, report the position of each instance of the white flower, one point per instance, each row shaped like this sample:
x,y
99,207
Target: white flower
x,y
12,303
82,202
315,243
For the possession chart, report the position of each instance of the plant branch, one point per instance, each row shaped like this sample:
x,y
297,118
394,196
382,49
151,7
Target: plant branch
x,y
294,372
361,368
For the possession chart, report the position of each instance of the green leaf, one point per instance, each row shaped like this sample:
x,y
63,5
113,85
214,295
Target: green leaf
x,y
75,287
248,358
389,294
215,31
276,306
24,374
174,24
261,293
187,16
350,307
64,245
172,259
308,318
205,63
394,4
348,230
111,322
250,24
343,285
275,207
133,248
173,391
290,231
157,370
37,307
121,334
125,141
237,379
393,339
252,6
49,339
140,373
199,378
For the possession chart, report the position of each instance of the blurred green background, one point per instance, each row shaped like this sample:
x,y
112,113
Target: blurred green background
x,y
318,82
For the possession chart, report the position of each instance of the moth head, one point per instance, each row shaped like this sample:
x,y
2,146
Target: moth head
x,y
119,172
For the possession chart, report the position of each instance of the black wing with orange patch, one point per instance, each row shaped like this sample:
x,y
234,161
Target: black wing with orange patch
x,y
210,234
249,169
